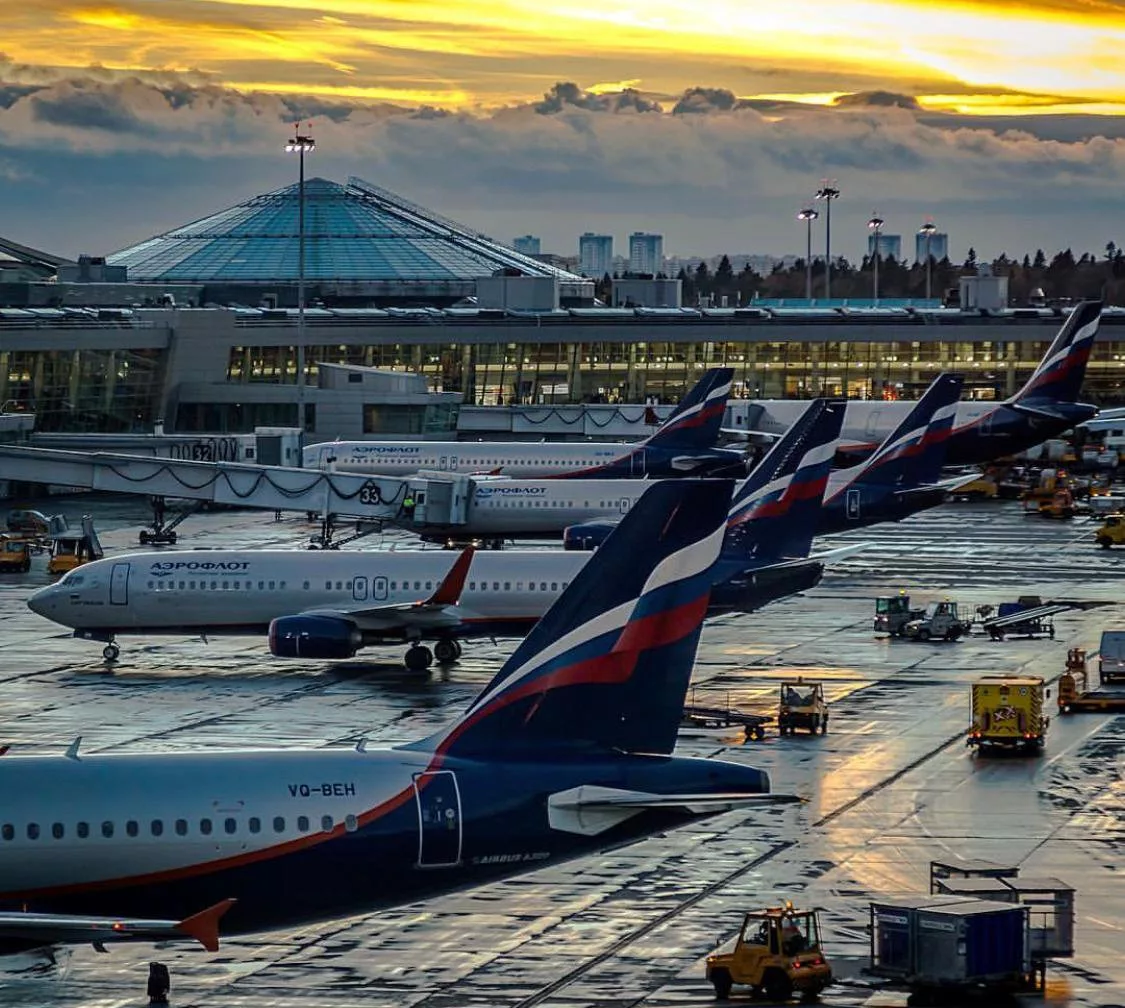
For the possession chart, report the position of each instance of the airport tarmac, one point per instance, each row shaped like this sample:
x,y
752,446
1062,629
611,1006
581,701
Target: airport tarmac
x,y
891,786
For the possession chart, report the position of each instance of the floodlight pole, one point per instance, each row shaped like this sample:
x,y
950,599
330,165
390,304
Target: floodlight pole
x,y
876,225
299,145
808,215
828,192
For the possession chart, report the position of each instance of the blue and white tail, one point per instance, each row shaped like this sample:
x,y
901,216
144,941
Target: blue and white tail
x,y
775,512
914,452
696,422
608,665
1060,373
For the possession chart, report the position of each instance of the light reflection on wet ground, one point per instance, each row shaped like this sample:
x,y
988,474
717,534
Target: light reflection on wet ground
x,y
891,787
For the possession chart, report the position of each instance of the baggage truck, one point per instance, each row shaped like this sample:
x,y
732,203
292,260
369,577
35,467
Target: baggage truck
x,y
1111,656
1008,712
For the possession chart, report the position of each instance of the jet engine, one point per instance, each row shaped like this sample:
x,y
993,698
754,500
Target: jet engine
x,y
587,535
313,637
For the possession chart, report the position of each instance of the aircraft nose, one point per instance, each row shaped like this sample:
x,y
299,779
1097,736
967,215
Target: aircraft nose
x,y
42,601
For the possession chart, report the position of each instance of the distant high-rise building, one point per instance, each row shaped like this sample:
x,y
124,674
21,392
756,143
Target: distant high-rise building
x,y
939,246
890,246
646,253
595,254
527,244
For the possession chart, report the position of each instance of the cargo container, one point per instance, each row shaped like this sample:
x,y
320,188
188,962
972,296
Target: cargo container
x,y
1007,712
944,943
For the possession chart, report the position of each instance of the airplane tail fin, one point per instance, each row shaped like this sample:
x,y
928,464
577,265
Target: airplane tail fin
x,y
696,422
775,511
1058,378
608,665
914,451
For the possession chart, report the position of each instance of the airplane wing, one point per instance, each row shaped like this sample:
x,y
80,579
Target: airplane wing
x,y
57,929
437,610
591,809
840,552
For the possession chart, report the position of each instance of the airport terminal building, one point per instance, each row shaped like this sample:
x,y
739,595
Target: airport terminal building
x,y
198,327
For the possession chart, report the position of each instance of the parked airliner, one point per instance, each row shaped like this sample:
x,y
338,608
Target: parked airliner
x,y
982,431
900,479
567,751
330,604
684,445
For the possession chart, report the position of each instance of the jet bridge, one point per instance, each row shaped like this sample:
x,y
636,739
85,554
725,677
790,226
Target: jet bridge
x,y
272,488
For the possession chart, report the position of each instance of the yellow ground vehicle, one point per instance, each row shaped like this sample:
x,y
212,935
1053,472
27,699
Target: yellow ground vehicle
x,y
777,954
15,554
984,487
1112,532
72,549
1075,695
1008,712
801,705
1061,505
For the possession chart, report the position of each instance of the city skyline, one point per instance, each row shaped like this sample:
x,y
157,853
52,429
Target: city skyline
x,y
122,119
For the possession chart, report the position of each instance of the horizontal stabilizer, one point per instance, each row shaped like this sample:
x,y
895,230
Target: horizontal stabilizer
x,y
1044,411
591,809
841,552
55,929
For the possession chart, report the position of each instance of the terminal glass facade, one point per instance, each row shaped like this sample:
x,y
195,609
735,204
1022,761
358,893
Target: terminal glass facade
x,y
544,373
84,390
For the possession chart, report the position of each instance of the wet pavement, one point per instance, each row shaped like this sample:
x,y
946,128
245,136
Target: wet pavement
x,y
890,788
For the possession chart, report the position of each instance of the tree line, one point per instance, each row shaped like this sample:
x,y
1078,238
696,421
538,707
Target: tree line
x,y
1063,278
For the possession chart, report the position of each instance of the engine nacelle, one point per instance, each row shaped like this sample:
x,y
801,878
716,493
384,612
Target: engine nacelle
x,y
587,535
313,637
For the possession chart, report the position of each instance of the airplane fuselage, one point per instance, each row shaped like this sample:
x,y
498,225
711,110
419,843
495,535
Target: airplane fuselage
x,y
540,460
239,592
982,431
298,835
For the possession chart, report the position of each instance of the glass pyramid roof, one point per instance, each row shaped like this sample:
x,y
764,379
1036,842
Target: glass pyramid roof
x,y
353,232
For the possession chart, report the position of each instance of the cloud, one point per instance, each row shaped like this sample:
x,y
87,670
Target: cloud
x,y
101,162
876,99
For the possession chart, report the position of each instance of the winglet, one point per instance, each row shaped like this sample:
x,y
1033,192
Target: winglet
x,y
204,926
72,749
453,584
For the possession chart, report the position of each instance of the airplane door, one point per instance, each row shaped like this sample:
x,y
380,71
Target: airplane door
x,y
119,584
378,588
359,589
624,504
443,463
871,427
637,463
985,425
452,463
439,819
853,504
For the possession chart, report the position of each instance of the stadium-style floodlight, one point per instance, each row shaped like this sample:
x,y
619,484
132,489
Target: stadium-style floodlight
x,y
828,192
808,215
301,144
928,230
875,225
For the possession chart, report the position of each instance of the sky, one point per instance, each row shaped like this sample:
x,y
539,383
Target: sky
x,y
710,121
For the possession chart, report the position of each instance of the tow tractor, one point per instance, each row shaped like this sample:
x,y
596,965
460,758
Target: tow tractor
x,y
893,612
777,954
1112,532
15,554
941,621
801,705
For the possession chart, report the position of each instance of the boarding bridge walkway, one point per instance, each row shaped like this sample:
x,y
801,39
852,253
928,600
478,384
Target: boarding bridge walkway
x,y
439,499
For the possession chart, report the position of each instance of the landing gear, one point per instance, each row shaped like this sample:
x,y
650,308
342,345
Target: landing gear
x,y
159,984
419,658
447,651
111,652
162,534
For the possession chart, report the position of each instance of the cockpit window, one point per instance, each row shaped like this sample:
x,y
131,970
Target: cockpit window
x,y
72,579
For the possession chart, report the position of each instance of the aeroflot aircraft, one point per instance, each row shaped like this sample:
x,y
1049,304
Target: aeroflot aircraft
x,y
328,604
684,445
567,751
982,431
900,479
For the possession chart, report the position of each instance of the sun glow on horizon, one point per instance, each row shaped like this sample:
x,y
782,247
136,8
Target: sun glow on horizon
x,y
976,59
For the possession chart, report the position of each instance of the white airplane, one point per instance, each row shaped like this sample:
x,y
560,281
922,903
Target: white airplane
x,y
982,431
567,751
684,445
329,604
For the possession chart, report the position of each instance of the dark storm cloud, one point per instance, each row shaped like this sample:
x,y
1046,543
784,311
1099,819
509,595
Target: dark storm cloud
x,y
877,99
100,164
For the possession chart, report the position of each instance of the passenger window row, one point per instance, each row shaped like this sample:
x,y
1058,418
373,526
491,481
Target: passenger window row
x,y
520,586
181,827
159,586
